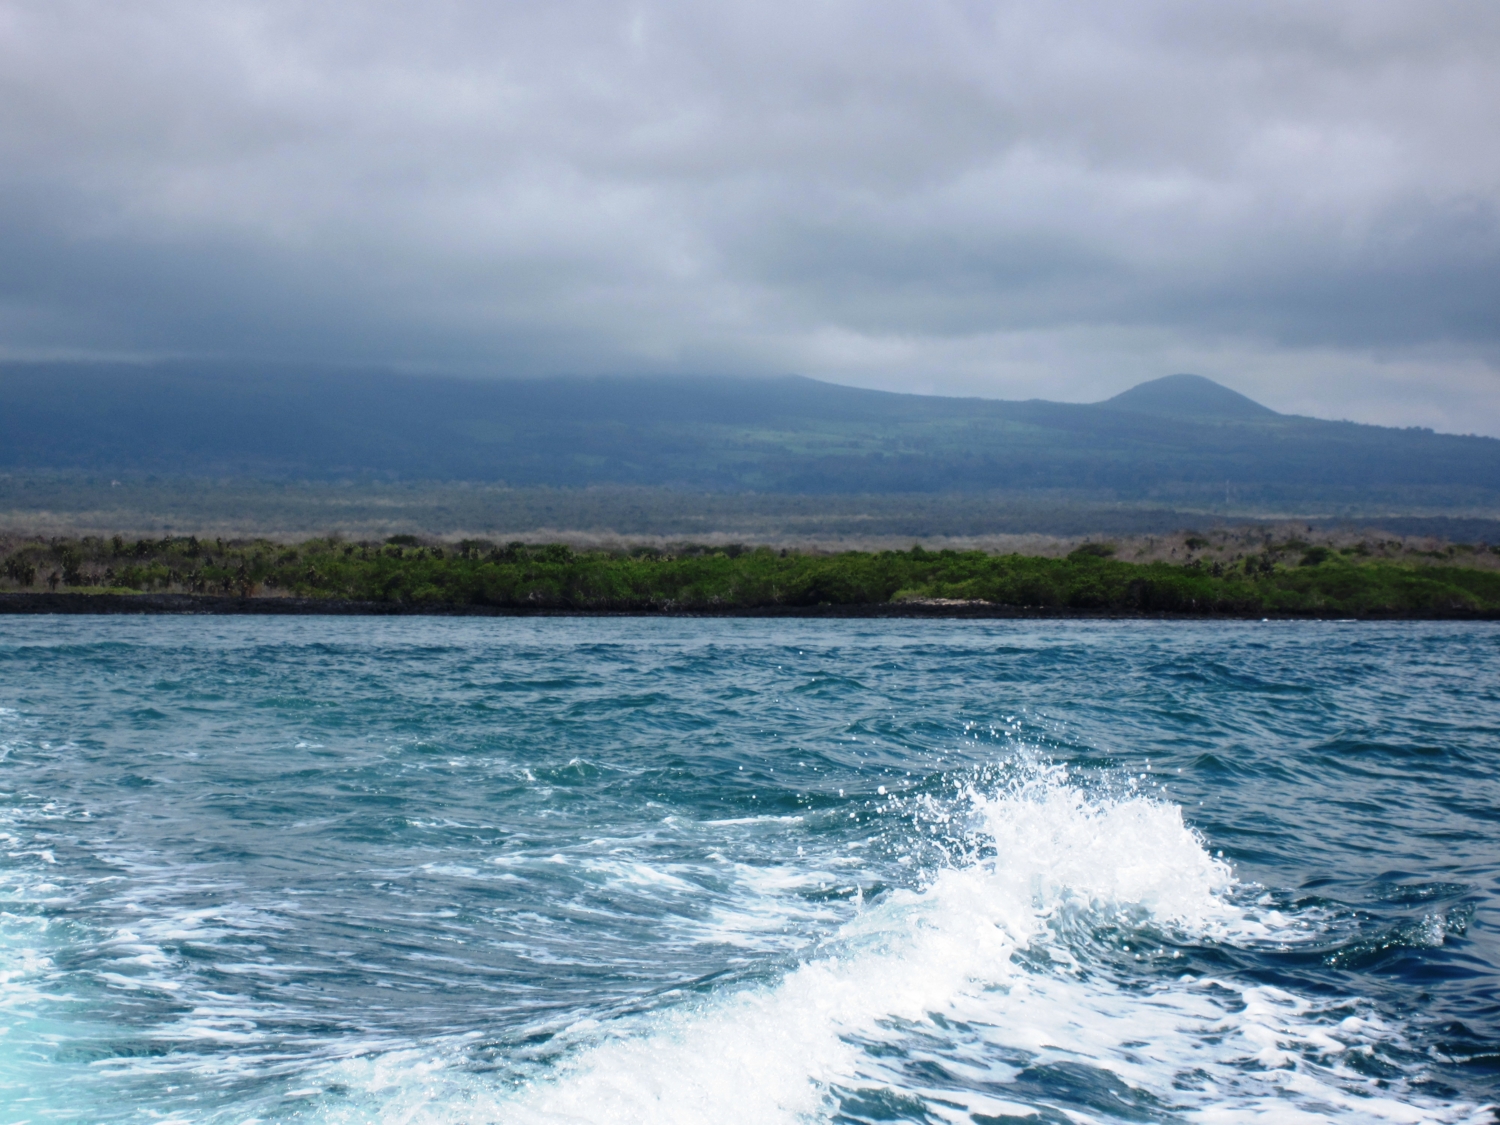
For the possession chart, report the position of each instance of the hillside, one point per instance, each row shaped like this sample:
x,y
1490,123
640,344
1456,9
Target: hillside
x,y
1182,441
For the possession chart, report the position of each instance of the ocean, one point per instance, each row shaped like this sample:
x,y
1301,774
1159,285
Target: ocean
x,y
548,870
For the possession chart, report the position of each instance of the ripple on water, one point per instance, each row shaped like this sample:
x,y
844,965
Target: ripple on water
x,y
636,870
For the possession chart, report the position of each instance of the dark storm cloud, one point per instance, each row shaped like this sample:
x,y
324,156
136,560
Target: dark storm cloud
x,y
1002,198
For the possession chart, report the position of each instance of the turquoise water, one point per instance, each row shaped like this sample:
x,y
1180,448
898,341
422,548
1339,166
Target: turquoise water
x,y
633,870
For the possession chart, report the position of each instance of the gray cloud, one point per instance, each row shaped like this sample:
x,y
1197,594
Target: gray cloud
x,y
1002,198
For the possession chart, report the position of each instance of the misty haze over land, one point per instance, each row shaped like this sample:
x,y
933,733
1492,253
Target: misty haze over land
x,y
1002,200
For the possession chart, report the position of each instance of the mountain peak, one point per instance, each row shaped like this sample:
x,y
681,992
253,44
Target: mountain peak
x,y
1188,396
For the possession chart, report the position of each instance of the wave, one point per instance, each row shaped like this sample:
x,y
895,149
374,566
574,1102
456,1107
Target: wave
x,y
1033,979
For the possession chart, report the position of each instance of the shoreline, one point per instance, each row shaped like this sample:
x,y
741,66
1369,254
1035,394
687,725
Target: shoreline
x,y
216,605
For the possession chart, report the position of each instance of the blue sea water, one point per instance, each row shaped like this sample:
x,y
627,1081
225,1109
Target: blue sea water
x,y
638,870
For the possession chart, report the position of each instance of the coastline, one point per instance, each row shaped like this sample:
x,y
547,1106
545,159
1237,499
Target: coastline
x,y
146,604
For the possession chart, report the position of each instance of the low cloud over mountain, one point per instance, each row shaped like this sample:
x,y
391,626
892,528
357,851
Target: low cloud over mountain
x,y
1005,199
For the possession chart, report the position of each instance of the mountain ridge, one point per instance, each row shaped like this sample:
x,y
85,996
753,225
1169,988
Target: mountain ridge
x,y
1177,440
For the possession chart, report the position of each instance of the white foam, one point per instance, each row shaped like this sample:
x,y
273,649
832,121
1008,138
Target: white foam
x,y
897,974
781,1053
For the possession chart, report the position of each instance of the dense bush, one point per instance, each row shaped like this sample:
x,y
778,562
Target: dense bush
x,y
476,572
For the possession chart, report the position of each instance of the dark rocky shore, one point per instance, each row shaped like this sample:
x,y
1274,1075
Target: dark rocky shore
x,y
229,605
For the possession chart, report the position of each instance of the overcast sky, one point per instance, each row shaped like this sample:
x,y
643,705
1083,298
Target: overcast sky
x,y
1015,200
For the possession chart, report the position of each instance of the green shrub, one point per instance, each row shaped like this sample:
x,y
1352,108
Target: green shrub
x,y
1092,551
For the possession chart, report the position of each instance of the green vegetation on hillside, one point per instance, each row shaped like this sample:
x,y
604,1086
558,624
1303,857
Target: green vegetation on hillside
x,y
1286,578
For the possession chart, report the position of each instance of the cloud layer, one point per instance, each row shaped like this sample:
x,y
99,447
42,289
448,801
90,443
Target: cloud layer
x,y
1008,199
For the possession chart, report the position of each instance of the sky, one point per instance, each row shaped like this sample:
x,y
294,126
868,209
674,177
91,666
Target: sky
x,y
1014,200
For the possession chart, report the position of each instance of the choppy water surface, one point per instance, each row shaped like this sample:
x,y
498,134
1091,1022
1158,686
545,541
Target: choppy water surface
x,y
627,870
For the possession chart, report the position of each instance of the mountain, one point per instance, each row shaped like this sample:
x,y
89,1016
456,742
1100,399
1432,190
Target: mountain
x,y
1188,396
1182,440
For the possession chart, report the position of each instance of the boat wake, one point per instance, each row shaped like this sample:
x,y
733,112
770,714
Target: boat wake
x,y
1039,975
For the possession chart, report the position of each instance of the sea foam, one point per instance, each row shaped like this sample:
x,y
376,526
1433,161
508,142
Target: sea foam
x,y
945,979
